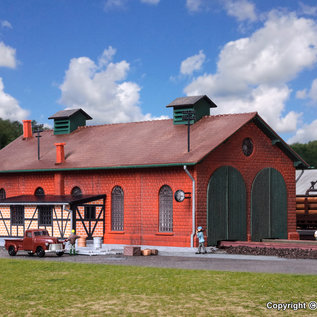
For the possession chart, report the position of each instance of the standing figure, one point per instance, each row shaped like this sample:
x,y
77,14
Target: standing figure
x,y
201,240
72,240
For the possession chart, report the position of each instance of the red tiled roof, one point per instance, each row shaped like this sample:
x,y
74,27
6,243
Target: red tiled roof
x,y
126,144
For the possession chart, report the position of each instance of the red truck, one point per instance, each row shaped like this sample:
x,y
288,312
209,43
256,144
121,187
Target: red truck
x,y
35,241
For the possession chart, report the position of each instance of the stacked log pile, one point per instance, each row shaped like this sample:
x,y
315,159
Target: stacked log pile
x,y
306,212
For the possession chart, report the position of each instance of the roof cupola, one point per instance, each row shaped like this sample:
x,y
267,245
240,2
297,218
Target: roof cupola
x,y
198,105
66,121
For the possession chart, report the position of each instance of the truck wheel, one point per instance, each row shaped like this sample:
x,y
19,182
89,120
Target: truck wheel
x,y
11,250
60,253
40,252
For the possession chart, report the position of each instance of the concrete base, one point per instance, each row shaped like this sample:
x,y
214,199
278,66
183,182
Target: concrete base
x,y
119,248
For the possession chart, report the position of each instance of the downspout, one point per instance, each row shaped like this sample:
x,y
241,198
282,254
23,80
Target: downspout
x,y
299,176
193,208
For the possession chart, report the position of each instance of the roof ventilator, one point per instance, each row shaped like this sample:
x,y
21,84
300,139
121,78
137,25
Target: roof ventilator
x,y
66,121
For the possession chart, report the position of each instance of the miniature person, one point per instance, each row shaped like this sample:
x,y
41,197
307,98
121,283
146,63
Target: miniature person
x,y
72,240
201,240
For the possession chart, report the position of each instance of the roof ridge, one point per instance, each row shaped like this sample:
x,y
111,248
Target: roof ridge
x,y
234,114
118,123
230,114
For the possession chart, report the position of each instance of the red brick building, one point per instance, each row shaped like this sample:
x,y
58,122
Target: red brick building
x,y
137,183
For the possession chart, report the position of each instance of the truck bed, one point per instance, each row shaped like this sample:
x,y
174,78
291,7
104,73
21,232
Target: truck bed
x,y
16,242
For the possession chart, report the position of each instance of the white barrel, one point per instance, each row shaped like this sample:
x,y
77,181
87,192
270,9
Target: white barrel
x,y
97,242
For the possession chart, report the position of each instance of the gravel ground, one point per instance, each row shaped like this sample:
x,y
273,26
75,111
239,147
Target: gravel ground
x,y
291,253
210,261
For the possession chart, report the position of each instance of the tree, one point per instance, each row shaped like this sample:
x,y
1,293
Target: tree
x,y
9,131
307,151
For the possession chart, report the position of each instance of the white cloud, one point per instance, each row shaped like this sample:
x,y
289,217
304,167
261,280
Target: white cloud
x,y
307,133
309,94
9,106
301,94
107,56
308,10
151,1
252,73
313,91
102,90
242,10
7,56
122,4
192,63
112,4
6,24
193,5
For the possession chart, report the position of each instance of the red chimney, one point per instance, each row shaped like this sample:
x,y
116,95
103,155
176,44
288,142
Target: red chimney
x,y
60,154
27,129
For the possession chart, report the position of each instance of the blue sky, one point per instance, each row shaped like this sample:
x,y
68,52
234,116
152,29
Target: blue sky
x,y
125,60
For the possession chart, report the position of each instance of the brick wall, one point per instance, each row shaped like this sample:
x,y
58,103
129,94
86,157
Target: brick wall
x,y
141,203
264,155
26,183
141,200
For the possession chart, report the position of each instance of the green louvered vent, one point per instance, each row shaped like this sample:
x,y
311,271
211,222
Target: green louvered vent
x,y
61,126
200,110
67,121
199,106
178,116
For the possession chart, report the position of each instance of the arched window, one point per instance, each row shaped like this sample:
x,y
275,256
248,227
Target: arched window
x,y
166,209
2,194
39,192
76,191
117,212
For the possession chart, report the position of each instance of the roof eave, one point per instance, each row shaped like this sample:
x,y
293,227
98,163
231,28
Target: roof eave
x,y
299,162
98,168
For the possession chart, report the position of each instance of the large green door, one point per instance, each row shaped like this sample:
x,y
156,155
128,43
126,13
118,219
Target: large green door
x,y
268,206
226,206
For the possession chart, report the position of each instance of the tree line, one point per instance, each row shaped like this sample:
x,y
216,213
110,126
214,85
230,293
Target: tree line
x,y
308,151
10,130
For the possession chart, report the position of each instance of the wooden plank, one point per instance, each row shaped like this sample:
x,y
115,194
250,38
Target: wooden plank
x,y
260,206
237,214
310,212
278,198
309,199
217,206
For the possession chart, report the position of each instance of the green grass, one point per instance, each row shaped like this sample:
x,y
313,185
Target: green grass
x,y
33,288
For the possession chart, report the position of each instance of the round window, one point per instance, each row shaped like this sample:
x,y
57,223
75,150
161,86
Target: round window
x,y
247,147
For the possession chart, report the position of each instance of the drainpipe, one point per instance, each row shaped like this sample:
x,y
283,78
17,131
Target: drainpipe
x,y
193,208
299,176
